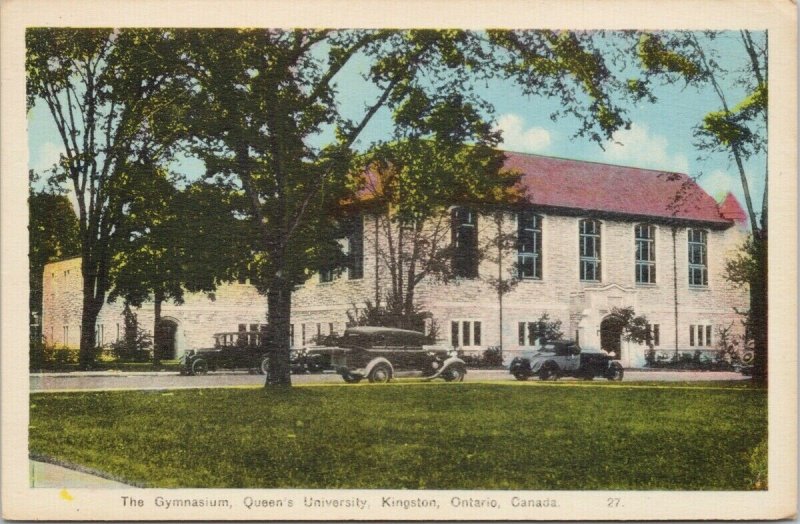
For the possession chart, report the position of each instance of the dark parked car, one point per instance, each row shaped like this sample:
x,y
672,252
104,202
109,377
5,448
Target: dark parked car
x,y
378,353
565,358
232,350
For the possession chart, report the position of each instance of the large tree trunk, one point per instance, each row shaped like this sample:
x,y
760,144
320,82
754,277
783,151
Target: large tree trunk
x,y
279,302
759,309
89,313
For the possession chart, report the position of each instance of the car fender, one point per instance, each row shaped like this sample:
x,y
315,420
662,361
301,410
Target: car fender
x,y
374,362
450,361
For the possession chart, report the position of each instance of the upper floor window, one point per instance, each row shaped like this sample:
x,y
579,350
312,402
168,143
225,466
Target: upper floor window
x,y
529,245
355,248
645,254
698,258
589,248
464,232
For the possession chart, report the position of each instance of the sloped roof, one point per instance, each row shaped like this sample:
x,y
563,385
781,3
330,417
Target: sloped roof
x,y
732,209
590,186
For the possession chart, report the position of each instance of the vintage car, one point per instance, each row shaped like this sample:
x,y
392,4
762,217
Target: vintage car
x,y
564,358
380,353
232,350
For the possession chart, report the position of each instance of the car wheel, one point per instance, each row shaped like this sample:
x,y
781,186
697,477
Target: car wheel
x,y
548,372
263,368
616,372
380,374
199,367
520,375
454,374
351,379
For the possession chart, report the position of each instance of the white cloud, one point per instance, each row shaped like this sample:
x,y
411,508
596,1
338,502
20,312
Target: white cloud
x,y
517,138
638,147
47,155
718,183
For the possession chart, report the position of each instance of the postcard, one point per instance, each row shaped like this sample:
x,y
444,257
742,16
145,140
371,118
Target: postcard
x,y
353,260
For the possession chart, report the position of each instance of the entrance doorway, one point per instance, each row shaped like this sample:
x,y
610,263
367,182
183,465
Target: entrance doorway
x,y
611,335
164,343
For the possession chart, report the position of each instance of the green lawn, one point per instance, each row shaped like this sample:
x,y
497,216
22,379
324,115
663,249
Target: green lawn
x,y
410,435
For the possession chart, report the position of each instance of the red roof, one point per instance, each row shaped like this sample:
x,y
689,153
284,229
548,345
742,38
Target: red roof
x,y
732,209
590,186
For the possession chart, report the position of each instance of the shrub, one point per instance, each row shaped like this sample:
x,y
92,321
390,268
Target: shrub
x,y
492,357
374,314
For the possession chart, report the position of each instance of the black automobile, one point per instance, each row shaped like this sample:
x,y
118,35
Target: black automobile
x,y
379,353
232,350
564,358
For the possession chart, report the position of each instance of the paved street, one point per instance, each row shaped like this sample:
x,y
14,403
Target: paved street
x,y
170,380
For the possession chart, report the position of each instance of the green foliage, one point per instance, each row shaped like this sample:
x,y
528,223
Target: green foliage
x,y
115,103
372,314
52,235
548,330
136,344
658,57
635,328
413,436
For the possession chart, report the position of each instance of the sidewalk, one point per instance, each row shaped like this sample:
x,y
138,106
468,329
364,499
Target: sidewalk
x,y
46,475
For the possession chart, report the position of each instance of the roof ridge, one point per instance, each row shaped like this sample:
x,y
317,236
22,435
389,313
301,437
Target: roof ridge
x,y
580,161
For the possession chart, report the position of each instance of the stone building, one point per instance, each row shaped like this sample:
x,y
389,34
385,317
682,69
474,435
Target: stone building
x,y
591,237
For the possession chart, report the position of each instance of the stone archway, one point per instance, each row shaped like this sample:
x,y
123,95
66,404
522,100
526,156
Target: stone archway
x,y
165,339
611,335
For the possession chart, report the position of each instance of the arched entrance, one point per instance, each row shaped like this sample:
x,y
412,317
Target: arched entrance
x,y
164,343
611,335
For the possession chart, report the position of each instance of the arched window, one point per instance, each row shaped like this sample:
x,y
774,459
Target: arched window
x,y
529,245
589,249
645,254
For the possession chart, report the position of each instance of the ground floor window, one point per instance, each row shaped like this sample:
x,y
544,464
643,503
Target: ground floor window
x,y
700,335
528,333
655,334
465,333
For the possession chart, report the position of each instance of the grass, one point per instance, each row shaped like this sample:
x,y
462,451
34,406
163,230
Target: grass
x,y
431,436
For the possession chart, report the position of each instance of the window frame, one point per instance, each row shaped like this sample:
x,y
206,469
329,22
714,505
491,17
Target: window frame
x,y
641,263
585,260
695,269
535,252
474,327
465,257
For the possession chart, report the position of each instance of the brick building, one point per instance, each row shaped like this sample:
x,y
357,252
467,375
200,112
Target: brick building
x,y
591,237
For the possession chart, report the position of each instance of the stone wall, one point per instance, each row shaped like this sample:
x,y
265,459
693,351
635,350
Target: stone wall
x,y
321,307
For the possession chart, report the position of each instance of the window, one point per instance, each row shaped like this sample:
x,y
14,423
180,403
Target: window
x,y
355,248
529,245
528,333
242,338
464,232
698,258
700,335
326,275
319,330
589,250
330,328
253,335
117,331
465,333
655,334
66,335
291,335
303,334
645,254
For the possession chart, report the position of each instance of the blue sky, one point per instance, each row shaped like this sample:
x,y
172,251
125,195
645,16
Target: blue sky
x,y
660,136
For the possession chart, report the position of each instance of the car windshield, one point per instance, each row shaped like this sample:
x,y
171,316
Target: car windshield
x,y
548,348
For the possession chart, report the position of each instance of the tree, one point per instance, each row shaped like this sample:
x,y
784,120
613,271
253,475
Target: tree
x,y
262,96
737,128
173,241
53,235
112,101
413,182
